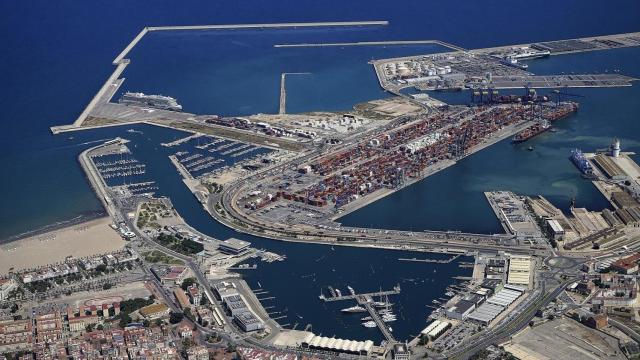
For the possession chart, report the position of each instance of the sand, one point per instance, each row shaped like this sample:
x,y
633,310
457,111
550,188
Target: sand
x,y
85,239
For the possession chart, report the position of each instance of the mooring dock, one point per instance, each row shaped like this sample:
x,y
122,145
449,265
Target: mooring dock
x,y
366,300
395,291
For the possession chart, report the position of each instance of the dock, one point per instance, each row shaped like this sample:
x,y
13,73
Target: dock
x,y
366,300
395,291
374,43
283,91
182,140
443,261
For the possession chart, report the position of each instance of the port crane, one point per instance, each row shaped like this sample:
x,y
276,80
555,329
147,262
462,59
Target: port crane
x,y
559,93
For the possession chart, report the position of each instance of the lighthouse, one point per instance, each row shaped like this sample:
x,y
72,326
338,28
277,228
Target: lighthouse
x,y
615,148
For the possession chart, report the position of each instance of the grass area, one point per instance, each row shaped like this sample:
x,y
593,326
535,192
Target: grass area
x,y
149,213
178,244
156,256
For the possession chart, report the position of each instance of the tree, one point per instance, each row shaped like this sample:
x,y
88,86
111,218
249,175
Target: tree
x,y
204,300
106,286
187,282
146,323
125,319
100,327
89,327
175,317
187,313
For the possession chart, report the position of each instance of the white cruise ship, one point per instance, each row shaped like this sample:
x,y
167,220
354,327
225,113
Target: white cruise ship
x,y
156,101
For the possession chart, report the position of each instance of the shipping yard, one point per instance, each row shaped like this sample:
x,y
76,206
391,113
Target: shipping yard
x,y
291,177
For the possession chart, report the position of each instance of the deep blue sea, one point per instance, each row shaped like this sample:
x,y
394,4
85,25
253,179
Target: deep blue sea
x,y
57,55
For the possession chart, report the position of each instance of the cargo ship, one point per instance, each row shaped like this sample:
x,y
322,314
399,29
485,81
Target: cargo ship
x,y
156,101
561,111
581,162
533,130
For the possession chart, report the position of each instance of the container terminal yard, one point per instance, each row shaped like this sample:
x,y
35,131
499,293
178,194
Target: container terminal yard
x,y
291,177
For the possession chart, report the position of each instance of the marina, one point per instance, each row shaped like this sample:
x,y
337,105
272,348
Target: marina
x,y
206,162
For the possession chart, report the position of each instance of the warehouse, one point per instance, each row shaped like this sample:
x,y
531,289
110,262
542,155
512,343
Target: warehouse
x,y
555,229
486,313
435,329
504,298
460,310
519,270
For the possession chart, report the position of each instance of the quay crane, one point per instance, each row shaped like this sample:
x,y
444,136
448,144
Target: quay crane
x,y
560,93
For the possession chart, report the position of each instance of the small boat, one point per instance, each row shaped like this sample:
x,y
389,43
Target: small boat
x,y
353,292
390,329
369,324
530,148
366,318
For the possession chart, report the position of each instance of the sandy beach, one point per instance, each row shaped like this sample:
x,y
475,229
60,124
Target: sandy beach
x,y
92,237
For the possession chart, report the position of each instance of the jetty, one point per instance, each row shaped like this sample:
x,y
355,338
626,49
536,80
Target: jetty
x,y
443,261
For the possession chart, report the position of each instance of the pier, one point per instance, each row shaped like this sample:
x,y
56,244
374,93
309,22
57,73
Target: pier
x,y
366,300
395,291
374,43
283,91
183,140
443,261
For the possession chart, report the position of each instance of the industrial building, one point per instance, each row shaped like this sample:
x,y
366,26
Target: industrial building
x,y
460,310
555,229
496,304
486,313
627,265
519,270
435,329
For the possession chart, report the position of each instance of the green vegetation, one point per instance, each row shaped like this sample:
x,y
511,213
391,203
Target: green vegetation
x,y
175,317
156,256
187,282
183,246
129,306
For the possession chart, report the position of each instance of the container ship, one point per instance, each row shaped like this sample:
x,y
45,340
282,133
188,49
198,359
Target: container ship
x,y
156,101
533,130
561,111
581,162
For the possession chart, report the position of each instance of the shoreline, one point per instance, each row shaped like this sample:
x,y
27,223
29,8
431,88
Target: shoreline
x,y
83,239
56,226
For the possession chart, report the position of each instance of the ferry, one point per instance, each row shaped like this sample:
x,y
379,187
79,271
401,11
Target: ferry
x,y
526,53
354,309
581,162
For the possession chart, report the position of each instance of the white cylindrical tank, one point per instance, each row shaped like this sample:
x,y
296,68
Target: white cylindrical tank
x,y
615,148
